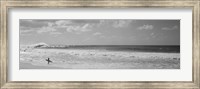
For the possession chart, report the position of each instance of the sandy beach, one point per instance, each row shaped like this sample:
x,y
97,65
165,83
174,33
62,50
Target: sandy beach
x,y
99,44
97,59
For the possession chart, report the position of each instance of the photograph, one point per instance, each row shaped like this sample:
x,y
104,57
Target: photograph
x,y
99,44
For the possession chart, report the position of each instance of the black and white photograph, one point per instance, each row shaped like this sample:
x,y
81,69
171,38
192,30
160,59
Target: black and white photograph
x,y
99,44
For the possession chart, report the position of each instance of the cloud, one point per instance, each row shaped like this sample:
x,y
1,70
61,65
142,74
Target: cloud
x,y
114,23
87,39
153,35
45,29
25,29
102,36
97,33
78,29
55,33
32,23
170,28
85,26
50,24
73,27
57,25
63,23
121,23
146,27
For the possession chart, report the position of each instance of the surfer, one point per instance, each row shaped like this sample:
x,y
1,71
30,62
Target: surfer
x,y
48,60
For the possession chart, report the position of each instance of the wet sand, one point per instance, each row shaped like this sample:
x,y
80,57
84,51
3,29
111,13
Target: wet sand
x,y
30,66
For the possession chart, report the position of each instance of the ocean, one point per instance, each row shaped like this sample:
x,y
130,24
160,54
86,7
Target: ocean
x,y
136,48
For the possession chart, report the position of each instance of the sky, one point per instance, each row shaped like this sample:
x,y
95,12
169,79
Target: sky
x,y
99,32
